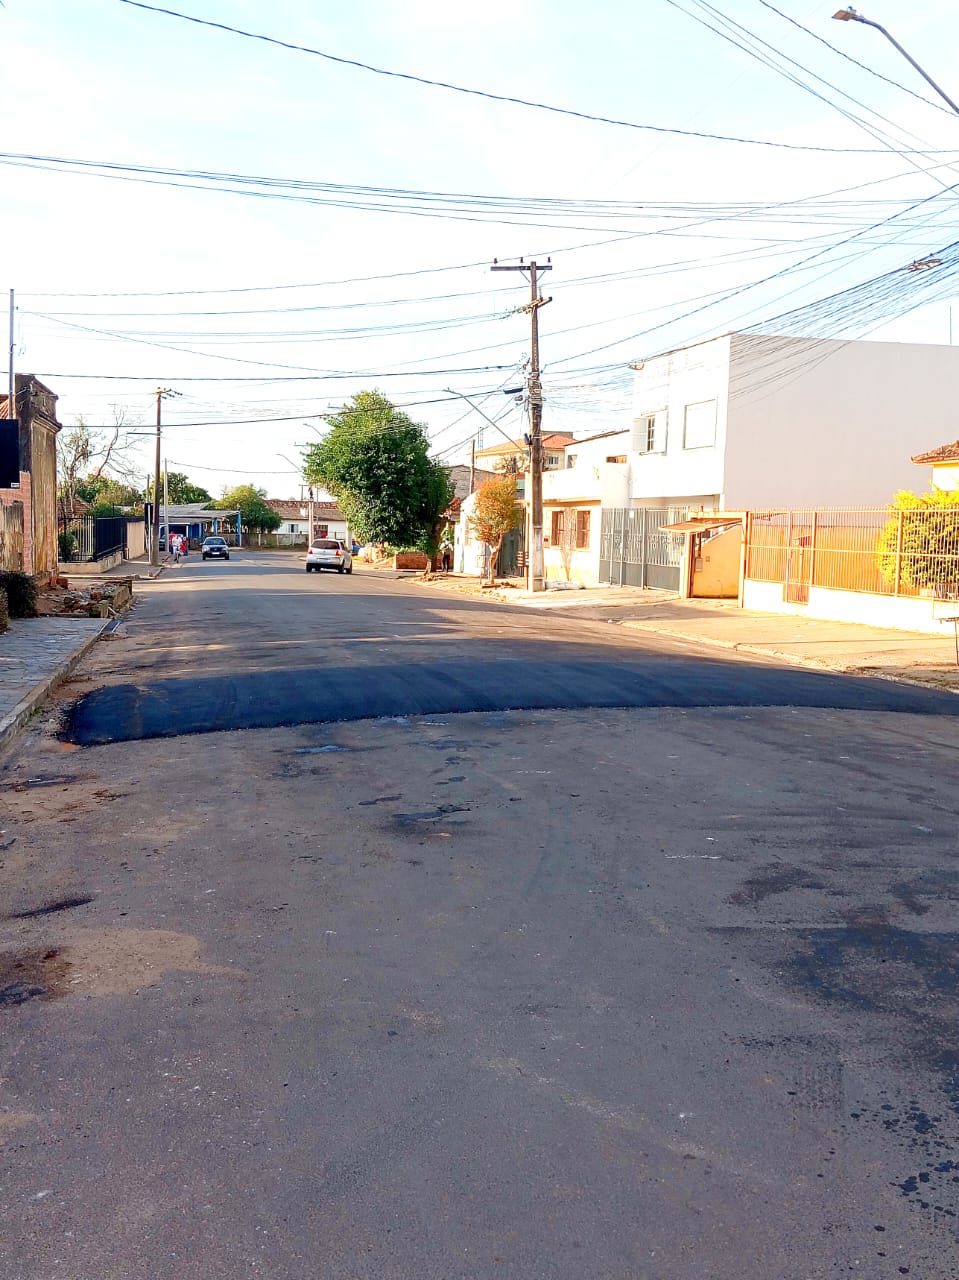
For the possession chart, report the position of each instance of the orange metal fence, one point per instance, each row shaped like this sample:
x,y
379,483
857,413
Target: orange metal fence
x,y
881,550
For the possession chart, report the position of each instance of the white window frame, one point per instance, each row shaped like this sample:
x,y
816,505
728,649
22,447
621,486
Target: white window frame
x,y
652,423
701,408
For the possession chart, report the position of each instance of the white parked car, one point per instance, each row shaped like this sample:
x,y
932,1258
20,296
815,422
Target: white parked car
x,y
329,553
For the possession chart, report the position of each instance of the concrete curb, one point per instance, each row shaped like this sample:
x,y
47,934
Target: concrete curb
x,y
13,721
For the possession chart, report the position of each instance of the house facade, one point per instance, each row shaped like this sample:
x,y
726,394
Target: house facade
x,y
594,478
328,520
513,455
746,421
29,520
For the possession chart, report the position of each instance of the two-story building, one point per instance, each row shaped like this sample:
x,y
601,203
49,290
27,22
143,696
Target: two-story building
x,y
754,420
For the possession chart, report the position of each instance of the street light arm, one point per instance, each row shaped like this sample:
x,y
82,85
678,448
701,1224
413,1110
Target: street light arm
x,y
481,414
850,15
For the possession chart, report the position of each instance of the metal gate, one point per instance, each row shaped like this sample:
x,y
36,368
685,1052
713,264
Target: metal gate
x,y
800,542
512,555
635,552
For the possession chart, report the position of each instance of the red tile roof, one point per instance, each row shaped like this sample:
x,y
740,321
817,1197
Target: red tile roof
x,y
945,453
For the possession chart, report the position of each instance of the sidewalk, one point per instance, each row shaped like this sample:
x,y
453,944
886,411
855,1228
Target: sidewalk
x,y
851,648
36,654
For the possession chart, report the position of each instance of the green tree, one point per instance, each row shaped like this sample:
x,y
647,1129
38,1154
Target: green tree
x,y
375,461
928,553
115,493
179,489
495,512
251,504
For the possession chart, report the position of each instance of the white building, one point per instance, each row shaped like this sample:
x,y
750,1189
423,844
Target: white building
x,y
746,421
743,422
328,520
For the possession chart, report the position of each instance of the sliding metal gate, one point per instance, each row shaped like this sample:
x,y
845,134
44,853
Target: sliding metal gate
x,y
635,552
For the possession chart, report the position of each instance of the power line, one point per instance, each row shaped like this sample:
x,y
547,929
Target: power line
x,y
266,380
482,93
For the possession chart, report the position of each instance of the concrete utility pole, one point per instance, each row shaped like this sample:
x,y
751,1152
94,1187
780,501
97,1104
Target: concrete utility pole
x,y
155,534
537,578
851,15
12,401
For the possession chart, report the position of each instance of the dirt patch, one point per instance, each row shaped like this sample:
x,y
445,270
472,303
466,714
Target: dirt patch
x,y
116,962
12,1121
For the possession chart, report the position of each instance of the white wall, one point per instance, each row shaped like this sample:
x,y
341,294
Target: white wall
x,y
944,477
825,423
902,613
671,382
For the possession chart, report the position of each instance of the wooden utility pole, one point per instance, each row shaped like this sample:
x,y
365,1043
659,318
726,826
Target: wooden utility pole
x,y
537,577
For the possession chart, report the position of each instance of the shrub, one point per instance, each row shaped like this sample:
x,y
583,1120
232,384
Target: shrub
x,y
21,592
66,545
929,548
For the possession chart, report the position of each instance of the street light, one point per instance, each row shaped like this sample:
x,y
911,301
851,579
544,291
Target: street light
x,y
850,15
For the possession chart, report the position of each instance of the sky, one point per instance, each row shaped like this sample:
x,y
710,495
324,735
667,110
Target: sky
x,y
265,231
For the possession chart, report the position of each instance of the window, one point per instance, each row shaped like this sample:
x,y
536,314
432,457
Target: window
x,y
699,425
651,432
551,461
323,531
558,524
582,529
570,461
292,527
617,457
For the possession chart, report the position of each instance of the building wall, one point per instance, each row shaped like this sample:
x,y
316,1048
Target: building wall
x,y
15,528
573,564
716,568
136,539
944,477
36,413
825,423
681,475
903,613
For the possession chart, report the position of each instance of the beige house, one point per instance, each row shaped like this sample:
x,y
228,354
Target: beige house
x,y
514,454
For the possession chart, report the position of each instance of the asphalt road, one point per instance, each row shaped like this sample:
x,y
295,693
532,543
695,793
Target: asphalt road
x,y
662,990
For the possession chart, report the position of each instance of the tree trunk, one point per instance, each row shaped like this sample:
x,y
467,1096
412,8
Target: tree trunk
x,y
493,558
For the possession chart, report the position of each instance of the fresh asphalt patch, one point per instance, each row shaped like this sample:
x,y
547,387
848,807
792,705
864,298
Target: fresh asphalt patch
x,y
272,699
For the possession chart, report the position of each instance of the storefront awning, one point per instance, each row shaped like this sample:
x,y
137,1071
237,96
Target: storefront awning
x,y
700,525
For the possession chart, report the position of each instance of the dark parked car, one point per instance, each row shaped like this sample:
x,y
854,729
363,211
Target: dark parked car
x,y
215,548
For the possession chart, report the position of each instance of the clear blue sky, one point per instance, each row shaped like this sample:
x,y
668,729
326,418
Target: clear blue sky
x,y
103,81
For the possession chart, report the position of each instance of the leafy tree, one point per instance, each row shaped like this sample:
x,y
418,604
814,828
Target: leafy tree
x,y
929,552
179,489
495,512
375,461
252,506
116,493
